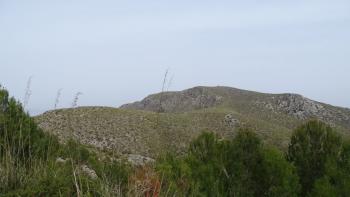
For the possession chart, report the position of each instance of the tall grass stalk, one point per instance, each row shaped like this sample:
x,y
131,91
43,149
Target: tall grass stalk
x,y
76,99
57,100
28,92
165,78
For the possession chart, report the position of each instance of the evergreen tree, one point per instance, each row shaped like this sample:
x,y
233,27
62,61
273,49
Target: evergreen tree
x,y
256,170
239,167
336,181
312,146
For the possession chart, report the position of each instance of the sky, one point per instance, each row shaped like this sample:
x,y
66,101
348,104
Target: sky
x,y
116,52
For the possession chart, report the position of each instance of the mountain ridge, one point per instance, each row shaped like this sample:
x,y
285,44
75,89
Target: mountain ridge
x,y
201,97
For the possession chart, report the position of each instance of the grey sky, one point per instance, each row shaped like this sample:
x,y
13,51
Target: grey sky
x,y
117,51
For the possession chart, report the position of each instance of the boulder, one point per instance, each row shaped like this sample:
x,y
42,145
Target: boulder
x,y
139,160
88,171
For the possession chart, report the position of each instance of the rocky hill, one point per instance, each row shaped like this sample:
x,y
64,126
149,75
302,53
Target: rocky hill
x,y
200,98
169,120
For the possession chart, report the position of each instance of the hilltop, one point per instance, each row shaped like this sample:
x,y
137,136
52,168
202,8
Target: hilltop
x,y
170,120
199,98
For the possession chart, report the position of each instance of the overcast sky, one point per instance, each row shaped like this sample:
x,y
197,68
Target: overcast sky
x,y
116,52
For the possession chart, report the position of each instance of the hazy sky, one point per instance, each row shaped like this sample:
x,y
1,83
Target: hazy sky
x,y
117,51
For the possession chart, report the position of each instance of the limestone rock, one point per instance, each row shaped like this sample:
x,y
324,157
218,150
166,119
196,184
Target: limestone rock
x,y
61,160
231,121
299,106
139,160
89,172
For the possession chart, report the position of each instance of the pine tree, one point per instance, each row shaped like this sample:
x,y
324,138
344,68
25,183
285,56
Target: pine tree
x,y
312,146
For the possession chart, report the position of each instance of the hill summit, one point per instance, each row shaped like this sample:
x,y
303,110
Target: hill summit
x,y
199,98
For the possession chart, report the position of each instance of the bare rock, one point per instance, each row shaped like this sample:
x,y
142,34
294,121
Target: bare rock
x,y
60,160
231,121
139,160
89,172
300,106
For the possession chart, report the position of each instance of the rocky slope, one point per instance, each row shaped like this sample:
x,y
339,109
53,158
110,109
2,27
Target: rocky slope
x,y
231,98
170,120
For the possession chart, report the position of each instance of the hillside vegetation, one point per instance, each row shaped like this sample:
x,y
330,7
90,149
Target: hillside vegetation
x,y
170,120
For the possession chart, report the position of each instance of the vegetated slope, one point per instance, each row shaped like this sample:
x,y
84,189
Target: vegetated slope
x,y
131,131
170,120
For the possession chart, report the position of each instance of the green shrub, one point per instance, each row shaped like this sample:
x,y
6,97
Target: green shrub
x,y
19,135
28,164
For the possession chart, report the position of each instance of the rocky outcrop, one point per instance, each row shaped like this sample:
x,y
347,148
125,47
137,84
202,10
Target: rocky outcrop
x,y
187,100
299,106
231,121
303,108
